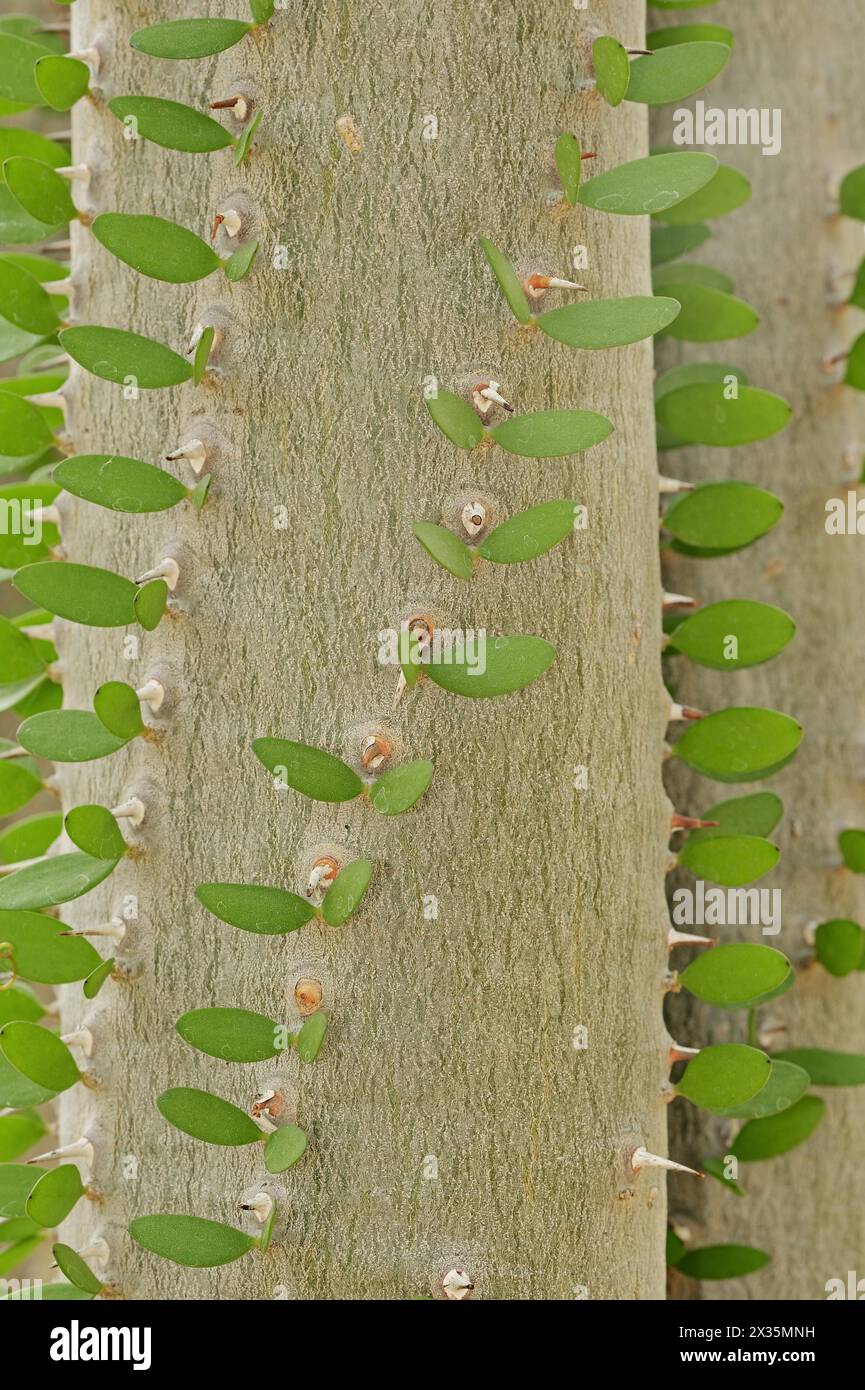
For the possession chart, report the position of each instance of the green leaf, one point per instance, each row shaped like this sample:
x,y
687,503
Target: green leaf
x,y
262,10
19,1001
125,358
344,895
96,979
530,533
16,1255
612,69
455,418
54,1196
23,427
80,593
607,323
190,1240
207,1117
155,247
267,911
56,880
17,1093
18,228
760,632
548,434
851,843
121,484
38,1055
43,194
740,744
778,1134
714,1167
42,953
19,658
19,783
722,516
758,813
170,124
674,73
708,314
234,1035
675,1248
500,666
17,1228
723,1076
29,838
149,602
689,33
400,788
76,1270
189,38
50,1292
857,294
649,185
18,1133
736,976
17,1181
785,1086
730,859
668,243
202,355
569,165
23,301
840,946
700,414
61,81
508,281
244,144
18,57
310,1038
852,194
283,1149
723,1261
238,265
68,736
827,1068
727,190
445,548
15,141
308,770
118,708
95,831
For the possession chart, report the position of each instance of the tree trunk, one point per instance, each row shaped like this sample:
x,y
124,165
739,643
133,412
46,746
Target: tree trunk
x,y
782,249
451,1041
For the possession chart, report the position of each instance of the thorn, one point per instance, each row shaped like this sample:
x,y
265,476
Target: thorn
x,y
673,485
690,822
230,221
374,750
676,1053
193,451
266,1107
77,172
641,1158
167,569
684,712
217,223
239,105
132,810
64,287
81,1148
49,515
152,694
679,601
809,933
640,52
115,929
261,1205
681,938
13,753
588,154
196,338
536,286
90,56
474,515
81,1037
457,1285
828,363
485,394
322,874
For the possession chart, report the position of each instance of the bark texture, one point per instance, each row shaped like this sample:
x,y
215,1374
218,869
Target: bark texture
x,y
783,250
450,1039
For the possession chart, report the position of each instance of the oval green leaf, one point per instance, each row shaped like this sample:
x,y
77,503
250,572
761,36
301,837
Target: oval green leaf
x,y
725,1075
344,895
786,1085
548,434
308,770
612,69
94,830
238,265
125,358
649,185
508,281
118,708
68,736
727,190
851,843
840,946
737,975
190,1240
76,1270
283,1148
311,1037
689,33
739,745
56,880
155,247
530,533
672,74
118,483
42,953
61,81
569,165
41,193
80,593
39,1055
207,1117
54,1196
189,38
234,1035
445,548
827,1068
608,323
18,1133
149,603
500,665
399,789
852,194
758,813
722,1261
709,315
778,1134
668,243
758,632
266,911
731,860
23,427
23,301
96,979
19,783
455,418
722,516
170,124
19,658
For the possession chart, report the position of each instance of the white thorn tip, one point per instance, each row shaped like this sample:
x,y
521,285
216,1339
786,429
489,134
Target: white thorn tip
x,y
682,938
678,712
457,1285
641,1158
193,451
261,1205
152,694
167,569
132,810
81,1148
678,601
115,930
474,514
676,1053
79,173
673,485
487,393
81,1037
90,56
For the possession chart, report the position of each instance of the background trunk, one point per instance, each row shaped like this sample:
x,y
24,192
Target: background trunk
x,y
782,250
450,1038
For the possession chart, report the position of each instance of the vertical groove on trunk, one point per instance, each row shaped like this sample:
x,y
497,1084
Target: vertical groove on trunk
x,y
780,248
449,1038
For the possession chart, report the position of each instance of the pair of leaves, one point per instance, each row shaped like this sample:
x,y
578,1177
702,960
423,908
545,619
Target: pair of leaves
x,y
239,1035
670,73
760,631
541,434
276,911
719,518
91,596
739,975
320,775
217,1121
522,537
739,745
723,1076
165,251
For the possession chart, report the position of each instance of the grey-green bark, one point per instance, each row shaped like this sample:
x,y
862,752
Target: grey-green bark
x,y
782,251
449,1038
